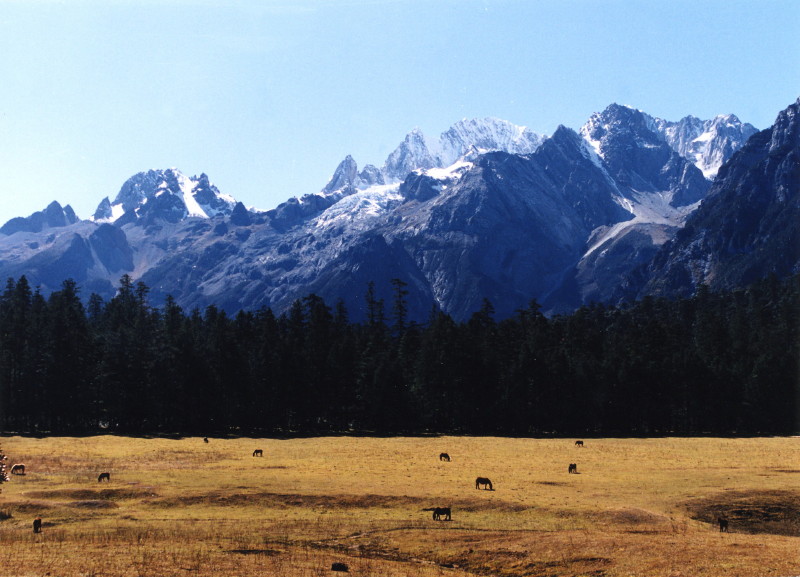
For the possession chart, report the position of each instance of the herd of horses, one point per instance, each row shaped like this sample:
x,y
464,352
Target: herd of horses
x,y
439,513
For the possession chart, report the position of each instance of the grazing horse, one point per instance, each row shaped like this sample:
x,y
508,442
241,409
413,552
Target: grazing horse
x,y
258,453
205,439
104,476
18,469
487,484
723,524
37,525
573,468
444,457
579,443
440,513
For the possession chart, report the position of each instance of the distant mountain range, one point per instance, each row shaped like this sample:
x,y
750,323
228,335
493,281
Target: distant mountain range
x,y
627,206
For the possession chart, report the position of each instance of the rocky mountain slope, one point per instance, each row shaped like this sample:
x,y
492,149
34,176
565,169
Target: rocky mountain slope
x,y
746,229
487,210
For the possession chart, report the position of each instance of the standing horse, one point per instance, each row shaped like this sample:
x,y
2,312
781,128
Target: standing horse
x,y
723,524
579,443
573,468
258,453
37,525
487,484
18,469
104,477
444,457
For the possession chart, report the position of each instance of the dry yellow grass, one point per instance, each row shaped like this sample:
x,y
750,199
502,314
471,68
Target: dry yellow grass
x,y
639,507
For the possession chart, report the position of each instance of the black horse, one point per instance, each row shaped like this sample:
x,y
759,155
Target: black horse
x,y
440,513
487,484
444,457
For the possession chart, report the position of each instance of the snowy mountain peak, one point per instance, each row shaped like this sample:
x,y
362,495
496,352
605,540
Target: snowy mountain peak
x,y
412,154
346,174
705,143
485,135
167,194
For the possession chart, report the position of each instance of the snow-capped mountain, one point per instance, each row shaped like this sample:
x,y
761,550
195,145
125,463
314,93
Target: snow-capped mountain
x,y
167,194
487,210
706,143
747,228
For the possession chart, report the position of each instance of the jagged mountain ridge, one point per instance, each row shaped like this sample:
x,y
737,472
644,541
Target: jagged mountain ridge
x,y
746,229
558,219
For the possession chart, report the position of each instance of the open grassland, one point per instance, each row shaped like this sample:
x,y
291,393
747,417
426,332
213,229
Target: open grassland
x,y
645,507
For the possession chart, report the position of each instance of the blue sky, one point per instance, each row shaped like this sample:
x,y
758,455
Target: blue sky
x,y
266,97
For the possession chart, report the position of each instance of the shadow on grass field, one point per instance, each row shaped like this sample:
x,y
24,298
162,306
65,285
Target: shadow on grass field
x,y
645,507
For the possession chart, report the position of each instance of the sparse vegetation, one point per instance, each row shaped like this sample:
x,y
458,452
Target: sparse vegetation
x,y
644,507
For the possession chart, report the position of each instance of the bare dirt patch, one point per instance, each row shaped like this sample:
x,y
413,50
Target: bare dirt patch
x,y
632,516
92,494
774,512
329,502
94,504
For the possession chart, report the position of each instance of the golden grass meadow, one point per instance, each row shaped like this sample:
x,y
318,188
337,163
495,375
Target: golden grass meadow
x,y
175,507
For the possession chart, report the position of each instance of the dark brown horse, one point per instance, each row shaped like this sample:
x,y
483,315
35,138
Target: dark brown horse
x,y
444,457
573,468
258,453
487,484
18,469
104,477
440,513
37,525
579,443
723,524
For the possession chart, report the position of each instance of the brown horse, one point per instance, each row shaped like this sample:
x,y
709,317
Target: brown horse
x,y
258,453
573,468
487,484
723,524
104,477
579,443
18,469
444,457
37,525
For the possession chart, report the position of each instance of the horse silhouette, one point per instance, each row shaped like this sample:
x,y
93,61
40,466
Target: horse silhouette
x,y
579,443
444,457
487,484
440,513
104,477
723,524
258,453
37,525
573,468
18,469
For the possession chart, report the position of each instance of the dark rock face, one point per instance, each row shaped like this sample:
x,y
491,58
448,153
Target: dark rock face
x,y
747,228
54,216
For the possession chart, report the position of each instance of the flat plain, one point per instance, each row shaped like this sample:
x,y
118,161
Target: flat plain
x,y
183,507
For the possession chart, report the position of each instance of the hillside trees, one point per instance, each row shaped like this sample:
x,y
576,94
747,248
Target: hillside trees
x,y
715,363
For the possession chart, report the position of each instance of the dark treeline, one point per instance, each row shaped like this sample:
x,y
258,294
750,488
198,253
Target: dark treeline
x,y
721,363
